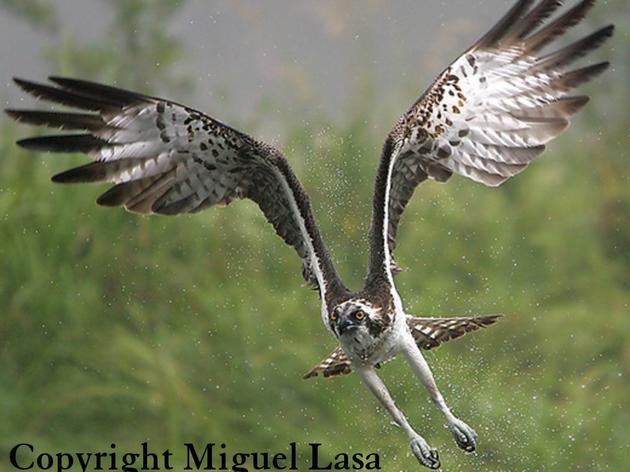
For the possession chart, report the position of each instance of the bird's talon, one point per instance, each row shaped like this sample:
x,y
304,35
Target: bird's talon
x,y
426,455
464,435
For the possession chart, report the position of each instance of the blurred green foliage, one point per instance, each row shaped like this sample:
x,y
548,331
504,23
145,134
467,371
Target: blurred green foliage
x,y
120,328
38,13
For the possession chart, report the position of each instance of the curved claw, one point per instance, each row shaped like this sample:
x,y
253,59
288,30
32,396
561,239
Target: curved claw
x,y
464,435
427,456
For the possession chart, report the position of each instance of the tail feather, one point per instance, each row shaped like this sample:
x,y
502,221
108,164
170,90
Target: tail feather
x,y
427,332
431,332
336,363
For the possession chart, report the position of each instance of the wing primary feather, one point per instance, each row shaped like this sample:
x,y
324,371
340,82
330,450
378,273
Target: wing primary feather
x,y
535,17
577,77
560,108
64,97
504,25
574,51
118,195
84,121
544,36
99,171
571,105
63,143
92,172
112,94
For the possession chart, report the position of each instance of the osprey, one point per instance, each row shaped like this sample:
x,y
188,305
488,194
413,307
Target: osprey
x,y
486,117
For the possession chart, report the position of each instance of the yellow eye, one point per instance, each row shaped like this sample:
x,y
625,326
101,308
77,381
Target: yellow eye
x,y
333,316
359,315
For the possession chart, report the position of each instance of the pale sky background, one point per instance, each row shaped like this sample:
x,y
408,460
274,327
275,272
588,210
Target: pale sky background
x,y
299,54
250,45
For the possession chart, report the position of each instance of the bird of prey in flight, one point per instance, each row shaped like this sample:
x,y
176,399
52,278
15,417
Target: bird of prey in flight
x,y
486,117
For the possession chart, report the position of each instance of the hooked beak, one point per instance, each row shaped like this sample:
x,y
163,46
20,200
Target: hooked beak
x,y
345,325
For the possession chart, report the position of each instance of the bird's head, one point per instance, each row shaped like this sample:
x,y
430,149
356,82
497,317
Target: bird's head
x,y
354,315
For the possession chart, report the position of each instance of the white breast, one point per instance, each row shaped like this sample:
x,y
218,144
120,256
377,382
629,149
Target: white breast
x,y
363,349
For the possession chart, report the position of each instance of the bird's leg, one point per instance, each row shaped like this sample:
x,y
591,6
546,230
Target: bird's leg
x,y
465,436
423,452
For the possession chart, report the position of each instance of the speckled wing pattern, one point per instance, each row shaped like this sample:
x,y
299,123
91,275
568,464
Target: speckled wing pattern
x,y
427,332
493,110
169,159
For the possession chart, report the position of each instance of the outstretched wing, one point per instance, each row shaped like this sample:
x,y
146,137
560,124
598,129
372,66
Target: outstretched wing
x,y
169,159
488,115
427,332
